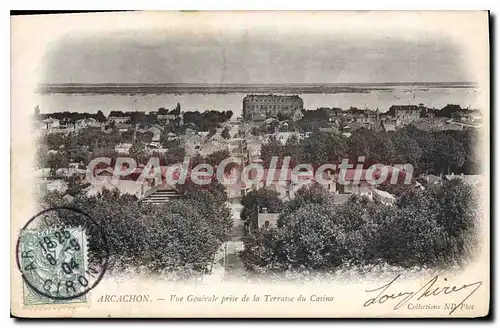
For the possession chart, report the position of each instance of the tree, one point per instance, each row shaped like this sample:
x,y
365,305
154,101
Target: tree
x,y
445,219
212,203
76,186
282,117
174,155
314,150
145,137
228,114
449,152
259,252
79,155
313,120
100,116
57,161
473,159
407,149
293,149
308,194
432,228
211,132
162,111
177,110
42,155
272,148
196,160
410,237
398,189
427,142
459,207
225,133
336,147
179,237
254,201
376,147
215,158
54,140
207,120
307,241
448,110
317,237
138,152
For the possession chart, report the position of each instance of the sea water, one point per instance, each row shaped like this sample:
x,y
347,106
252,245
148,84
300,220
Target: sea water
x,y
381,99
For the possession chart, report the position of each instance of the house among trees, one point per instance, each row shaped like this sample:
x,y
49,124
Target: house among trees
x,y
333,113
267,220
467,116
449,110
386,125
297,115
122,127
430,179
50,123
350,184
383,197
165,118
429,113
365,117
87,123
118,117
123,148
287,182
470,179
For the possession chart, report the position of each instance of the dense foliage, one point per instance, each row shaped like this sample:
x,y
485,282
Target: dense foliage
x,y
225,133
253,203
180,236
207,120
426,228
429,152
71,116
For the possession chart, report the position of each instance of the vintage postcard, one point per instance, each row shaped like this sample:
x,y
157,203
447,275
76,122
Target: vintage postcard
x,y
250,164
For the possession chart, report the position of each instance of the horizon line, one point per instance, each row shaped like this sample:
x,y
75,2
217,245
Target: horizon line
x,y
245,84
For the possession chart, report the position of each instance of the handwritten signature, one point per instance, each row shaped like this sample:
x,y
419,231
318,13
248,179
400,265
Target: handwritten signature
x,y
429,289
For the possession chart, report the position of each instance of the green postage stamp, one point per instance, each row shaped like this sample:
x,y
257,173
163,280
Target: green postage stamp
x,y
53,263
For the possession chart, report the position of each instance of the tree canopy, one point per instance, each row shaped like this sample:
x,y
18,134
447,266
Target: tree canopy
x,y
431,228
429,152
179,237
254,201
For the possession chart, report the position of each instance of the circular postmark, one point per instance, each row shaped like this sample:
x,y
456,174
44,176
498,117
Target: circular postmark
x,y
62,253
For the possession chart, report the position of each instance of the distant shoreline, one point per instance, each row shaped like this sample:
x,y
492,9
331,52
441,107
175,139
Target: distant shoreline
x,y
186,88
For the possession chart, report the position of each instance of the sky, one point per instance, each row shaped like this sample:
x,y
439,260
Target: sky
x,y
250,57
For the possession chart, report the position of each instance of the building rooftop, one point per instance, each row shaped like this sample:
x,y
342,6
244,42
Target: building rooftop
x,y
122,126
383,193
472,179
404,107
252,96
